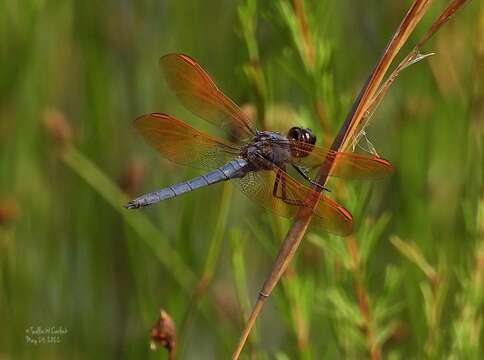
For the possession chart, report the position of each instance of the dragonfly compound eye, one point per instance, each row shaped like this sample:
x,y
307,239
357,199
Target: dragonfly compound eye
x,y
305,140
295,133
309,137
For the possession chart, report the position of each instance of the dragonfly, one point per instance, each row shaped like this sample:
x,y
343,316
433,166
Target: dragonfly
x,y
258,160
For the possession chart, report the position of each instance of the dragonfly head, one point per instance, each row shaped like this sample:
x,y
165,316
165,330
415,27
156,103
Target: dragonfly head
x,y
304,138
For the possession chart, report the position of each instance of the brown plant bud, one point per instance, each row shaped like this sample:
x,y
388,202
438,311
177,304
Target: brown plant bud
x,y
399,333
57,127
249,112
163,333
8,211
132,177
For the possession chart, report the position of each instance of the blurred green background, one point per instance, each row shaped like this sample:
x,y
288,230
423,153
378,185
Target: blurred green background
x,y
74,74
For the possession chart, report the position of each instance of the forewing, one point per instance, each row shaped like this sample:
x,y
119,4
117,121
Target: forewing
x,y
183,144
346,165
327,214
199,94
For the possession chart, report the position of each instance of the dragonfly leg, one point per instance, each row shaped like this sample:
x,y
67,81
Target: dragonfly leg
x,y
312,182
281,178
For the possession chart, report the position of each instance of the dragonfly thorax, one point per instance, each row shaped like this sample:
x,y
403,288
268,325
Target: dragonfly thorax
x,y
267,149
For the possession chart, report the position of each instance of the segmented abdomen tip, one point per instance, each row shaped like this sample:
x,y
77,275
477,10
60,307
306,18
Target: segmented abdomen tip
x,y
131,205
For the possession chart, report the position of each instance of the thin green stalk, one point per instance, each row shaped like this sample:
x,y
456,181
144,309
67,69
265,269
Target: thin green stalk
x,y
434,292
253,70
138,222
363,299
308,55
467,328
293,290
238,266
211,261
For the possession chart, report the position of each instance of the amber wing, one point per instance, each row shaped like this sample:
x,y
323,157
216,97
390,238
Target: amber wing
x,y
345,164
199,94
327,214
183,144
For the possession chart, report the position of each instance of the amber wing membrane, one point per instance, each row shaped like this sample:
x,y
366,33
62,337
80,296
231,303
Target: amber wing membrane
x,y
327,214
199,94
183,144
345,164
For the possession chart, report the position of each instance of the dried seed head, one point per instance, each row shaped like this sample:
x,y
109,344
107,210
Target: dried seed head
x,y
163,333
250,114
132,177
8,211
57,127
